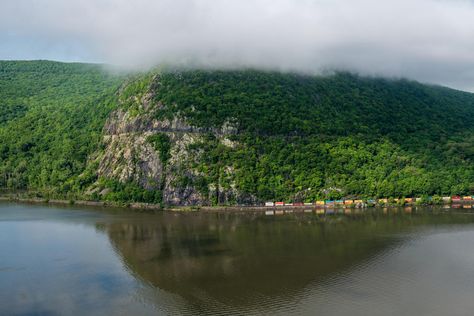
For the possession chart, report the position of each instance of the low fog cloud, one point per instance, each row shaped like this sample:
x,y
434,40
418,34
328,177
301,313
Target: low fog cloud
x,y
427,40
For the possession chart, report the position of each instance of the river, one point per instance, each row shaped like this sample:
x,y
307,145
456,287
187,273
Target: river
x,y
84,261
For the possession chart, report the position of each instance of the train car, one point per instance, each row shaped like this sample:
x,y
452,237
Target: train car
x,y
348,202
279,203
446,199
269,204
329,202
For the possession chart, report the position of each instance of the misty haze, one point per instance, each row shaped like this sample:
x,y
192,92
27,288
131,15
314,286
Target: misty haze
x,y
426,40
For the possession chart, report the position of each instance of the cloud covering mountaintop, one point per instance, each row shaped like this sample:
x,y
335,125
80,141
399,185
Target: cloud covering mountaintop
x,y
427,40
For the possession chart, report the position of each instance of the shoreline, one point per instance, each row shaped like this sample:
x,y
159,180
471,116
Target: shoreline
x,y
236,208
104,204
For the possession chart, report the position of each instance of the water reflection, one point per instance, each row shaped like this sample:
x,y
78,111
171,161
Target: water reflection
x,y
253,263
78,261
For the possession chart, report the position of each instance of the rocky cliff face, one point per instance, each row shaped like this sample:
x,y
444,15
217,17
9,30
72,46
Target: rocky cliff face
x,y
129,156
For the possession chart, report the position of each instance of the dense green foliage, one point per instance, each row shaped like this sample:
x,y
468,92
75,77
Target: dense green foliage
x,y
161,143
294,137
127,192
51,117
302,137
343,104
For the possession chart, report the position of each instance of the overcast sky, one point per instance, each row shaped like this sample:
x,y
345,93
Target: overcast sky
x,y
426,40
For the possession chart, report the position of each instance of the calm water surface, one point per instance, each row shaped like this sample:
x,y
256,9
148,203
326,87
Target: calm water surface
x,y
78,261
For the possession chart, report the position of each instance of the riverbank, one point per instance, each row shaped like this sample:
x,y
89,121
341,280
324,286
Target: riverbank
x,y
138,206
157,207
142,206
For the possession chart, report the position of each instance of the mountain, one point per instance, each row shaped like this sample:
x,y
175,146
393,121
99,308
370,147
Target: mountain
x,y
193,137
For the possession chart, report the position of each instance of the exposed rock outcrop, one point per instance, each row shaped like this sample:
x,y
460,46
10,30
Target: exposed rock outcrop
x,y
129,156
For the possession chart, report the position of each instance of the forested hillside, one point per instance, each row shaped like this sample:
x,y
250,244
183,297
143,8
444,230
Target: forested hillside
x,y
225,137
51,118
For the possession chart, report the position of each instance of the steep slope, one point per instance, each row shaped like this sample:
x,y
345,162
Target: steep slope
x,y
226,137
241,137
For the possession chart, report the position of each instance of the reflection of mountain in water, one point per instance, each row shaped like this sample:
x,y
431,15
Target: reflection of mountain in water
x,y
242,261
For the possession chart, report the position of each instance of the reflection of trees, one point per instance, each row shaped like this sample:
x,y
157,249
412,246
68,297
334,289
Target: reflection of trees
x,y
238,259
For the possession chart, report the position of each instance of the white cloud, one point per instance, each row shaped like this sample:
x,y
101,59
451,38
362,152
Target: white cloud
x,y
428,40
